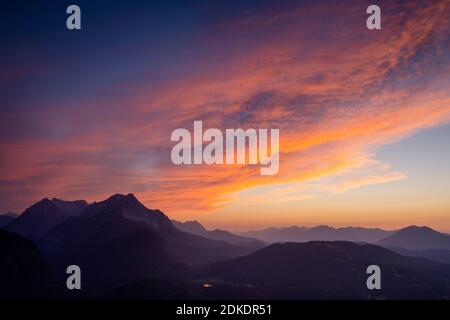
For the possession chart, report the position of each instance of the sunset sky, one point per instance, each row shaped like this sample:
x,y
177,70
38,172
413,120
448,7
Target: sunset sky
x,y
364,115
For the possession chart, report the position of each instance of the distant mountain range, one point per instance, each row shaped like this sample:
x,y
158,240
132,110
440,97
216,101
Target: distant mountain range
x,y
126,250
324,233
411,241
195,227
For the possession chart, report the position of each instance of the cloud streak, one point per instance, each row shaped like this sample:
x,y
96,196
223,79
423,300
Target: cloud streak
x,y
337,92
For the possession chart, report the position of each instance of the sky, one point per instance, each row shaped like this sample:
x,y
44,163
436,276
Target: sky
x,y
364,115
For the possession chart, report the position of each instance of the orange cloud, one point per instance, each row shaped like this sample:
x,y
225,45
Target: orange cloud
x,y
336,91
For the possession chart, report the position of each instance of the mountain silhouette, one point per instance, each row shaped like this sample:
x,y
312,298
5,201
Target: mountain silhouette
x,y
24,273
119,239
192,226
440,255
417,238
126,250
195,227
333,270
70,208
35,221
7,218
319,233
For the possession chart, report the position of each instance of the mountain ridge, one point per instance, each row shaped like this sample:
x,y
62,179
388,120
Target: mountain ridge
x,y
417,238
196,227
119,239
333,269
320,232
39,218
125,248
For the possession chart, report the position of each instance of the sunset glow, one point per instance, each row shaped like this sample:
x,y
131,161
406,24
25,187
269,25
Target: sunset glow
x,y
364,116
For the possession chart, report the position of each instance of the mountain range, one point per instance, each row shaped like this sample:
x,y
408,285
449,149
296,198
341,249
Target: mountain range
x,y
195,227
323,232
119,239
35,221
333,269
126,250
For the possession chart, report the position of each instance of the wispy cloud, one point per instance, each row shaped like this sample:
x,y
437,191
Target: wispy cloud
x,y
336,90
